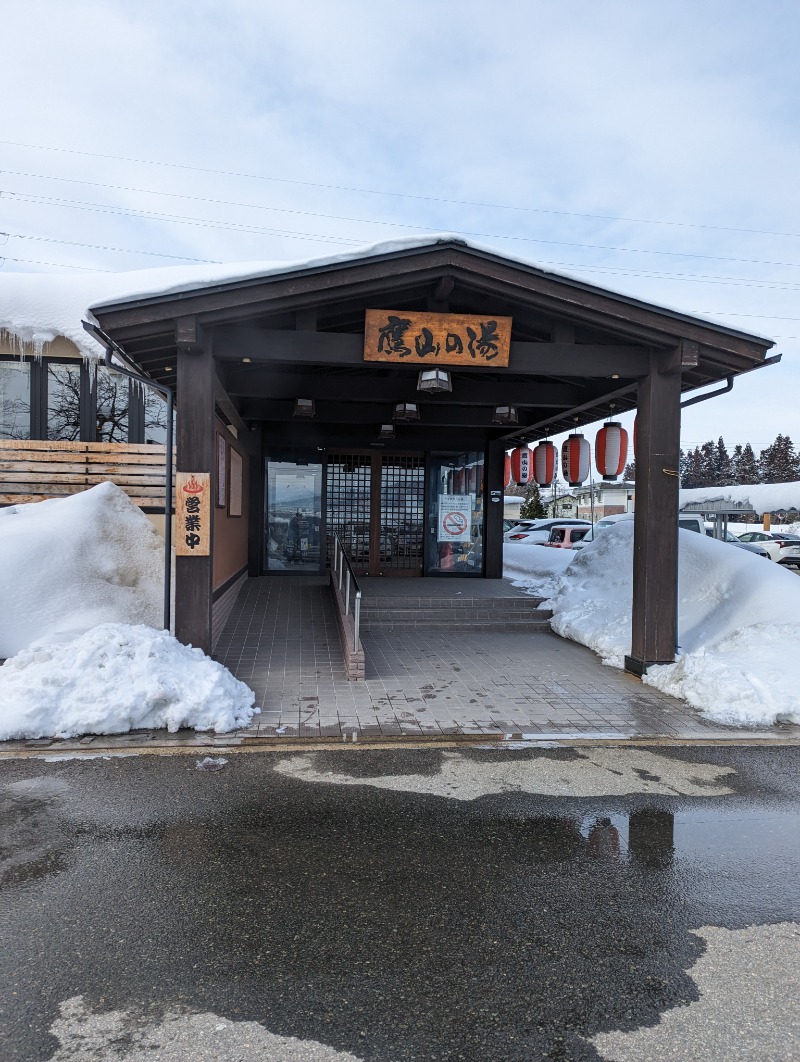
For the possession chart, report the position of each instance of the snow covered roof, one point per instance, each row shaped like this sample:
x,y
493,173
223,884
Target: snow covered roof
x,y
758,497
36,308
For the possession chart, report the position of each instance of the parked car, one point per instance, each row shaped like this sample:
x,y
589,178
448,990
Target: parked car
x,y
568,536
751,547
686,521
537,532
780,545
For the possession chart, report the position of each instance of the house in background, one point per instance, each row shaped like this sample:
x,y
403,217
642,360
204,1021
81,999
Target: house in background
x,y
604,499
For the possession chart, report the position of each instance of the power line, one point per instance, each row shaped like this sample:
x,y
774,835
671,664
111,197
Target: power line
x,y
397,195
153,215
60,265
433,229
102,247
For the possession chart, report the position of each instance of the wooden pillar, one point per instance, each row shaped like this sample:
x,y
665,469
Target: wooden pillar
x,y
493,527
655,538
195,453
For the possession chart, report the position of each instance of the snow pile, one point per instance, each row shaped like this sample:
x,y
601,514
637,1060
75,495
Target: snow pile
x,y
536,568
738,622
116,678
69,564
761,497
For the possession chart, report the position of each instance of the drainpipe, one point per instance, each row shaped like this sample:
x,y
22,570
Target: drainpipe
x,y
113,348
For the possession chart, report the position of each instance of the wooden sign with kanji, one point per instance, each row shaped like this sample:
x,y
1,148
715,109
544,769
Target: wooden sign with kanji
x,y
431,339
192,514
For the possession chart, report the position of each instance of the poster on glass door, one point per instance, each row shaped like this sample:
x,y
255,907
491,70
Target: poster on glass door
x,y
455,517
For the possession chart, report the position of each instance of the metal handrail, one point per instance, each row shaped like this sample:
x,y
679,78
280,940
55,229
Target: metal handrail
x,y
343,571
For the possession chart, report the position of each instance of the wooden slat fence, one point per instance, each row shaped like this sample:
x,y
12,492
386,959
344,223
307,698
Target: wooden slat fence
x,y
34,469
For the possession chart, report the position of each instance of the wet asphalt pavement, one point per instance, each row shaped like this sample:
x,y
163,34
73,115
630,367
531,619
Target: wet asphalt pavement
x,y
400,905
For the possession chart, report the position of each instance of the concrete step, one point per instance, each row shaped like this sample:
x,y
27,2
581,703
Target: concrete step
x,y
504,625
488,604
461,615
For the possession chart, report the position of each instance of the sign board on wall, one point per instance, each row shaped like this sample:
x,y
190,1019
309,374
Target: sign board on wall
x,y
192,514
455,518
436,338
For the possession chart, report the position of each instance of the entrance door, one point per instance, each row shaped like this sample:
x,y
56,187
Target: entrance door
x,y
293,517
454,535
376,503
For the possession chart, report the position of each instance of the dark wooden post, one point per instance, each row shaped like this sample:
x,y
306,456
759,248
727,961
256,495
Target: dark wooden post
x,y
493,527
655,536
195,453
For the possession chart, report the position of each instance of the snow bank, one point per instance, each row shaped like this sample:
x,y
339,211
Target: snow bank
x,y
536,568
738,623
116,678
69,564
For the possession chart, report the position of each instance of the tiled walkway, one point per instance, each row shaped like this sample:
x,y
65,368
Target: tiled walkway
x,y
282,640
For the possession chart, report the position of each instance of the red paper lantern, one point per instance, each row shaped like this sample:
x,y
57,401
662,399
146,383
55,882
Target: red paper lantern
x,y
521,466
635,419
611,450
507,480
544,463
575,459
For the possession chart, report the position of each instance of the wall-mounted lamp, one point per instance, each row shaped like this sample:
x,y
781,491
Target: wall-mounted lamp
x,y
386,432
434,380
406,411
505,415
304,407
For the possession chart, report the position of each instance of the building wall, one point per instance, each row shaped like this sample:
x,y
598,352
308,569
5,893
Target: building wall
x,y
230,532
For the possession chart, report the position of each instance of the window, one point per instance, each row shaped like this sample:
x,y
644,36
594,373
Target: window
x,y
71,400
112,400
64,401
15,399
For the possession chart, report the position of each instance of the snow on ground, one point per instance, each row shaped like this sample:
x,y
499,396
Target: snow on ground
x,y
81,581
68,564
116,678
738,620
537,568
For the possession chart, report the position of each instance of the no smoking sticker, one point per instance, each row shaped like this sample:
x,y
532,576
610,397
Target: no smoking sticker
x,y
454,523
455,517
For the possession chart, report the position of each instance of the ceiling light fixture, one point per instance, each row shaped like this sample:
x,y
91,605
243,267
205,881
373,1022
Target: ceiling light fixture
x,y
304,407
505,415
406,411
434,380
386,432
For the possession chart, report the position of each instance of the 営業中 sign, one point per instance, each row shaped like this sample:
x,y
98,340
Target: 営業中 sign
x,y
192,514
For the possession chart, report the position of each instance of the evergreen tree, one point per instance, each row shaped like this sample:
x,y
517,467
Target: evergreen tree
x,y
708,465
629,472
532,508
692,469
747,466
722,465
778,462
736,458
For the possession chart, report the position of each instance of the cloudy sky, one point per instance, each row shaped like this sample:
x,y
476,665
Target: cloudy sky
x,y
650,148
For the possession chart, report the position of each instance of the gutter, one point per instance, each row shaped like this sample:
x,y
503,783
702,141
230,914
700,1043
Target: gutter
x,y
729,382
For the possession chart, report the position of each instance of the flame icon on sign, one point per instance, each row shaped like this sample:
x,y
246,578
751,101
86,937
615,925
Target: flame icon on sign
x,y
193,487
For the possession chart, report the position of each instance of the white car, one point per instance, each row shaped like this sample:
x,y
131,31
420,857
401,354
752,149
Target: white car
x,y
537,532
781,546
